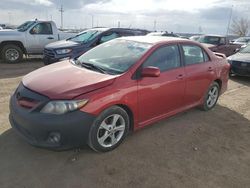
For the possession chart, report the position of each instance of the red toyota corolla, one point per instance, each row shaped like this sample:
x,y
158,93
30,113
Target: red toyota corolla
x,y
117,87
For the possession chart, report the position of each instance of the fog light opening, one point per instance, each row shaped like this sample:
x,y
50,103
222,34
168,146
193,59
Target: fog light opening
x,y
54,137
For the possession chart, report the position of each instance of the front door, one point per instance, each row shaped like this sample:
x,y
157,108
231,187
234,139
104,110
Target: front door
x,y
39,36
158,96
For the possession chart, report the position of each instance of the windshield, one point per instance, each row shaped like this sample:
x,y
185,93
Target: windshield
x,y
85,36
245,50
26,25
209,40
116,56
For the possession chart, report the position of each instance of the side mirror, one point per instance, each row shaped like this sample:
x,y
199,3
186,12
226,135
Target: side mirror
x,y
237,50
150,72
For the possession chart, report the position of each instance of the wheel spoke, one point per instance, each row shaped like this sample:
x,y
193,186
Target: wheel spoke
x,y
104,125
104,137
119,128
209,100
115,119
113,139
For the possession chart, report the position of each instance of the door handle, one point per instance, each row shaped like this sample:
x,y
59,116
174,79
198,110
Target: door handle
x,y
180,77
50,38
210,69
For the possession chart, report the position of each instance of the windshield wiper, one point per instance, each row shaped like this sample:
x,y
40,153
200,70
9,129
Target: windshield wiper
x,y
93,67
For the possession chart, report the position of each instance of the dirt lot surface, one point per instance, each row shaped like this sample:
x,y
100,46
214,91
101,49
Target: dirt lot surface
x,y
193,149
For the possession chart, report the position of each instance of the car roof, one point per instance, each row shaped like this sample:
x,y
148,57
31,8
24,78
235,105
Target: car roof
x,y
213,35
153,39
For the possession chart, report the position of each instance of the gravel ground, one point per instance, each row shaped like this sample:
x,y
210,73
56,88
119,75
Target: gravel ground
x,y
192,149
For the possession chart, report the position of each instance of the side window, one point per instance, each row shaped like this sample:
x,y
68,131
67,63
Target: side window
x,y
223,41
108,37
206,58
193,54
42,29
124,34
165,58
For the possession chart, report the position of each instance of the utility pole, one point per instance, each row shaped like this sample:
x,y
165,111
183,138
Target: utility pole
x,y
61,10
119,24
155,25
92,16
229,21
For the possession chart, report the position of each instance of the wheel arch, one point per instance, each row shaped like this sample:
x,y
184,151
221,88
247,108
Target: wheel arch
x,y
17,43
218,81
130,114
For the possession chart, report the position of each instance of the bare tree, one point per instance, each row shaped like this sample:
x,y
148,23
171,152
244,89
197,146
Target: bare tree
x,y
240,27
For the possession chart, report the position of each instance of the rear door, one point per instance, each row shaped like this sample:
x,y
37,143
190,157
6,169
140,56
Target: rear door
x,y
159,95
199,71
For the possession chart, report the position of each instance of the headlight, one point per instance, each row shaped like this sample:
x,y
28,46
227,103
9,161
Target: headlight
x,y
62,107
63,51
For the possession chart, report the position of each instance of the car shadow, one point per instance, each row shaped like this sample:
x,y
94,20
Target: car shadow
x,y
241,79
187,150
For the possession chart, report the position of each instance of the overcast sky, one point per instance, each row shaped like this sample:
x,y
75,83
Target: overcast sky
x,y
208,16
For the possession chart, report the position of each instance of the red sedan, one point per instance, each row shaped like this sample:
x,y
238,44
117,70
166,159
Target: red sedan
x,y
117,87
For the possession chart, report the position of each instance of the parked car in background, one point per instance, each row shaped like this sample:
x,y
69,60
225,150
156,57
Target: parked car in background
x,y
240,62
242,40
1,28
163,33
119,86
84,41
195,38
29,38
218,43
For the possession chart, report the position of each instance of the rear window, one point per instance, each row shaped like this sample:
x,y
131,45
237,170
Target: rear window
x,y
209,40
194,54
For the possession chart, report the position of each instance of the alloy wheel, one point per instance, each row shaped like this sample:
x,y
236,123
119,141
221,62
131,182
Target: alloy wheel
x,y
111,130
212,96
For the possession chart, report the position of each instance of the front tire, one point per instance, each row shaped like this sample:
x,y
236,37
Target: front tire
x,y
211,97
12,53
109,129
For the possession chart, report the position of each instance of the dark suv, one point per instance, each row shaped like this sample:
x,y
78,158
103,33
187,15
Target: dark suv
x,y
84,41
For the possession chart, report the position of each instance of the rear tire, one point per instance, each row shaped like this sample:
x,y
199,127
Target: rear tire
x,y
109,129
211,97
12,53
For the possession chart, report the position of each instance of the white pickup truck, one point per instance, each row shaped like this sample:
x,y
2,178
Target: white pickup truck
x,y
30,38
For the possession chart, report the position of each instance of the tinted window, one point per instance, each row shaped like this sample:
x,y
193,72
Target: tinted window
x,y
108,37
222,41
42,29
206,58
85,36
165,58
193,54
209,39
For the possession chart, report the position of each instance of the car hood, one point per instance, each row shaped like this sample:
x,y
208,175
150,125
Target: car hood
x,y
9,32
245,57
62,44
65,81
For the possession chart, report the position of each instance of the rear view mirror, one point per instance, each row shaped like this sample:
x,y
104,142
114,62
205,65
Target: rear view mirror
x,y
150,72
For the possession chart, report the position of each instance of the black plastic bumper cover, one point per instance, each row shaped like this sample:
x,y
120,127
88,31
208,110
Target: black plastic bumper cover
x,y
36,127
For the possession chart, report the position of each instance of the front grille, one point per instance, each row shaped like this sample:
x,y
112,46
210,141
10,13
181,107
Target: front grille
x,y
49,53
240,64
28,99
